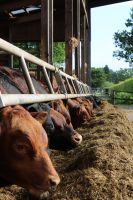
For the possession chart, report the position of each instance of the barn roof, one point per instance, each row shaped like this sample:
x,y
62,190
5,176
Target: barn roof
x,y
27,20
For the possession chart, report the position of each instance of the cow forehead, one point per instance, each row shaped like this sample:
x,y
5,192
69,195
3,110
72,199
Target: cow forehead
x,y
58,116
21,120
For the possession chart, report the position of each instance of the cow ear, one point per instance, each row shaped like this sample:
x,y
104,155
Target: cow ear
x,y
40,116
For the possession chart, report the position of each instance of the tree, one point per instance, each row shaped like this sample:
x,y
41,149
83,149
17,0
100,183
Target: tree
x,y
33,48
98,77
124,41
122,75
59,53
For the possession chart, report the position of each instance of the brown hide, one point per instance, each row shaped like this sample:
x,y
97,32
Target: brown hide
x,y
19,81
88,105
59,107
64,133
78,113
23,151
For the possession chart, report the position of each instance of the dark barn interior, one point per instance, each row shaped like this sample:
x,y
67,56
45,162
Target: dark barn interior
x,y
52,21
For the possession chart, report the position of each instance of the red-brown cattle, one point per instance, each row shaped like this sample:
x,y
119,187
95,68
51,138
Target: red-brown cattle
x,y
61,134
88,105
78,113
60,107
64,136
23,151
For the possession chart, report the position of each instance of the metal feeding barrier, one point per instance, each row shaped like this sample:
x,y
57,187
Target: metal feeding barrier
x,y
72,89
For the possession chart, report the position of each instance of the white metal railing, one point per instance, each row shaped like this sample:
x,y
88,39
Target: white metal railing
x,y
76,88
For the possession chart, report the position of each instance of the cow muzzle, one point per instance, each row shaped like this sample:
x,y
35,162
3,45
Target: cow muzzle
x,y
39,191
76,139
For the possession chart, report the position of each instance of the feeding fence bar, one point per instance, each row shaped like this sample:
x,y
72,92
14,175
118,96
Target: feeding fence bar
x,y
75,87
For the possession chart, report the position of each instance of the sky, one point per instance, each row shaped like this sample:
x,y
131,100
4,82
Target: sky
x,y
105,21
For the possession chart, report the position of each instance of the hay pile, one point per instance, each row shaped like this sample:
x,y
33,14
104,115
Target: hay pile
x,y
101,168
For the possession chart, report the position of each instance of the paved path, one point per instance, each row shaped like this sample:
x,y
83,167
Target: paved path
x,y
127,109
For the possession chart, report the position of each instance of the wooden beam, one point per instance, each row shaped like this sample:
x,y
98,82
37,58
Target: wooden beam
x,y
44,33
13,5
96,3
83,50
50,31
26,32
85,11
78,55
88,43
68,35
26,18
22,32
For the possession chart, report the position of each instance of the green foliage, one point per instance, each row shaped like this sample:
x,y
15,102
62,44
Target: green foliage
x,y
105,77
30,47
124,95
34,49
98,77
124,41
107,84
121,75
124,86
59,53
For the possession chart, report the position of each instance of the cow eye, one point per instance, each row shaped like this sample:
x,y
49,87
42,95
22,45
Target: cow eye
x,y
20,148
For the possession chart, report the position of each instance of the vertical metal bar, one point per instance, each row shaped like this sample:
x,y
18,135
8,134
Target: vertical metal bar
x,y
27,76
75,91
48,80
60,82
80,89
83,88
11,61
69,87
76,86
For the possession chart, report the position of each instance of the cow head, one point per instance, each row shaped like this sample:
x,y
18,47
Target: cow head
x,y
23,155
78,113
64,136
59,107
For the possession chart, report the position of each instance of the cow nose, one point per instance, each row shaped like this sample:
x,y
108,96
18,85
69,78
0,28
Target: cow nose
x,y
54,180
77,138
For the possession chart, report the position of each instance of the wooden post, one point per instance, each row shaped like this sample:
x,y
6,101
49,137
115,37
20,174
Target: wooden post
x,y
88,49
83,44
44,33
68,35
50,31
78,55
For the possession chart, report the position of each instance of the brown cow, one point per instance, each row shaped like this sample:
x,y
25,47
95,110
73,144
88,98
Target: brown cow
x,y
64,136
60,107
61,134
78,113
88,105
23,151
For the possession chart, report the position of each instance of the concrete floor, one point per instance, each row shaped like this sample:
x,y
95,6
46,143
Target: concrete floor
x,y
128,109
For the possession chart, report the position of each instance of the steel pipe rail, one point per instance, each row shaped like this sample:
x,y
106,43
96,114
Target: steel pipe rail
x,y
11,49
14,99
79,88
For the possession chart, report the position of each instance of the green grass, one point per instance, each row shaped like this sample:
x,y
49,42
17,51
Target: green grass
x,y
124,86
